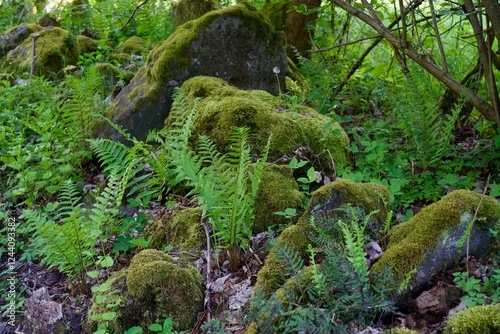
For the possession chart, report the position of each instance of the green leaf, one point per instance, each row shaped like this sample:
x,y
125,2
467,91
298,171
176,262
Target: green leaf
x,y
101,288
108,316
155,327
495,190
93,274
134,330
107,262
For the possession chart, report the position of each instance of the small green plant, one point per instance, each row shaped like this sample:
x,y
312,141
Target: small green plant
x,y
289,213
336,288
478,292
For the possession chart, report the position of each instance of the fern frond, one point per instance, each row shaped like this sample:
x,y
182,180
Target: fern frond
x,y
289,257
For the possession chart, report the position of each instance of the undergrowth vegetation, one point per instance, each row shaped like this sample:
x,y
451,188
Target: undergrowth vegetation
x,y
406,133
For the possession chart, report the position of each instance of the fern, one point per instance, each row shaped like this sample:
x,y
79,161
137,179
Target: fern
x,y
290,259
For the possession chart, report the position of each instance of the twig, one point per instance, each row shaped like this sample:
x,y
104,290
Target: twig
x,y
33,53
473,219
133,13
209,252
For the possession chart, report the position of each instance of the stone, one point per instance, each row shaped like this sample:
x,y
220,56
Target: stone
x,y
44,316
236,44
434,239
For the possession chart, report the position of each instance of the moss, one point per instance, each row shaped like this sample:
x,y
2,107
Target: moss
x,y
85,44
252,329
401,330
278,190
411,240
120,58
476,320
184,229
47,21
271,276
134,46
164,289
101,299
367,196
223,107
152,288
295,285
108,70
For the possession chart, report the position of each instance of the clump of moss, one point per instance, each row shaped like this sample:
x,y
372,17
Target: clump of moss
x,y
411,241
120,58
154,287
223,107
134,46
477,320
182,231
278,191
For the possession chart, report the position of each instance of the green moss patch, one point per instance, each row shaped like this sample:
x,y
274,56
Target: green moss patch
x,y
477,320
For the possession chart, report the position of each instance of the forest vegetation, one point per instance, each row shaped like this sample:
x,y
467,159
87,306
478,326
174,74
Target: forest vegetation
x,y
413,84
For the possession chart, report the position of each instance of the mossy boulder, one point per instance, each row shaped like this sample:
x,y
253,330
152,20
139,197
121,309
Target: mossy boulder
x,y
401,330
182,231
56,48
153,288
187,10
236,44
278,191
429,242
221,107
47,21
134,46
477,320
322,205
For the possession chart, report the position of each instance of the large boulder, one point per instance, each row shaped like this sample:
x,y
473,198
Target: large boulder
x,y
236,44
221,107
153,288
434,239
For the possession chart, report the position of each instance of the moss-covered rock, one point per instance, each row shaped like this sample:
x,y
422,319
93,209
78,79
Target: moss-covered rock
x,y
153,288
134,46
367,196
234,43
222,107
182,231
477,320
428,242
187,10
56,48
278,190
15,36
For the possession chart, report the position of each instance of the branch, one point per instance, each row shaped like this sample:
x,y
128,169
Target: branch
x,y
133,13
484,107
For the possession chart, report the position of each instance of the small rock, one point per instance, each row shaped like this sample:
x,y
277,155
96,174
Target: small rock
x,y
44,315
